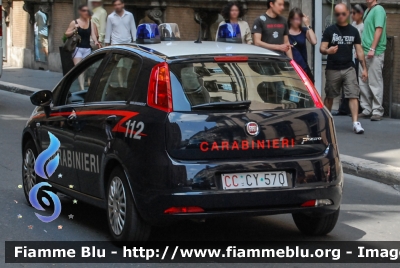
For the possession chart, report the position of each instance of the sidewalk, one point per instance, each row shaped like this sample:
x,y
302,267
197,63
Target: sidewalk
x,y
374,155
30,78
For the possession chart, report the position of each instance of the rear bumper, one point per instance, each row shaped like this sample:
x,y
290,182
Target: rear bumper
x,y
218,204
200,185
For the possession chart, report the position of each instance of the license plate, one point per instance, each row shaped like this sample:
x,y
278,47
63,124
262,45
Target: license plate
x,y
276,179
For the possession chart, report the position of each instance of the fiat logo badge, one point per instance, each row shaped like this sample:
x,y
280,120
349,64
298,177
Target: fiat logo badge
x,y
252,128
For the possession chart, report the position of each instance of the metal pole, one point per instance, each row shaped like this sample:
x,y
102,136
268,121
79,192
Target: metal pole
x,y
391,76
317,55
1,37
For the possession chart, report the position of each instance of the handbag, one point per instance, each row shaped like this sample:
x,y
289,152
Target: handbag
x,y
72,41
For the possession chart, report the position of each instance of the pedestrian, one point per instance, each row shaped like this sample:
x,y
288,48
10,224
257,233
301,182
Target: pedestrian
x,y
233,12
270,30
121,27
357,13
99,18
374,44
43,31
298,37
338,41
85,29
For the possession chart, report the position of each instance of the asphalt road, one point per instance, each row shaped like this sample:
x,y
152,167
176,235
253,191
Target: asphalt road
x,y
370,210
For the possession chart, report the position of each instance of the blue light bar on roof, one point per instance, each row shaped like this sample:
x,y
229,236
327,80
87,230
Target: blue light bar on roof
x,y
229,33
147,33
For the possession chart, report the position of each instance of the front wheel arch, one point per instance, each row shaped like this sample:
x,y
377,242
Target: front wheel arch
x,y
26,137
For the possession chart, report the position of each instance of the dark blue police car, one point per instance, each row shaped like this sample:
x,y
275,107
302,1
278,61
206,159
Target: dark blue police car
x,y
160,131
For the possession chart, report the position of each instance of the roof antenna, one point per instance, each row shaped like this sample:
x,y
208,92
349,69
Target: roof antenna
x,y
198,41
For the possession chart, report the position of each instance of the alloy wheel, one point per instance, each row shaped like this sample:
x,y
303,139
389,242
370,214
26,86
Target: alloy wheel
x,y
117,205
29,170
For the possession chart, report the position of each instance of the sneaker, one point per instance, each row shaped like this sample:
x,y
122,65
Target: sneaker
x,y
376,118
358,128
363,116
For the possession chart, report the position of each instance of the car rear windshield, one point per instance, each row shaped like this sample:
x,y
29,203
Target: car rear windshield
x,y
262,85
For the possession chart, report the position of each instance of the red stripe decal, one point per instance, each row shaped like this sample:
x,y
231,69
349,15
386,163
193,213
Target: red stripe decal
x,y
118,127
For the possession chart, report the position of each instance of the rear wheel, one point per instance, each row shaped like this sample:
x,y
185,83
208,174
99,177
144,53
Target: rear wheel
x,y
316,225
123,219
29,177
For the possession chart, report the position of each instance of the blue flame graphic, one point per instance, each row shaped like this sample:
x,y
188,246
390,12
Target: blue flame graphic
x,y
35,202
46,155
45,171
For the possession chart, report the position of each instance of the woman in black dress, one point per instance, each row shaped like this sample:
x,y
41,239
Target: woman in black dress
x,y
298,37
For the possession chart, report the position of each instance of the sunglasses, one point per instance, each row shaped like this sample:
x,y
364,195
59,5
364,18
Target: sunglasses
x,y
341,14
84,10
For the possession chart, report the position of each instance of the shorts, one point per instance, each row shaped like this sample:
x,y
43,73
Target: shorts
x,y
81,52
43,41
338,79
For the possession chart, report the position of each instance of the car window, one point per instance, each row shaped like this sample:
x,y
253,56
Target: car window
x,y
267,84
118,79
76,85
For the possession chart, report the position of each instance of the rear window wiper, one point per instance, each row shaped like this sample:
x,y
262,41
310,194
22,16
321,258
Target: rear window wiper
x,y
240,105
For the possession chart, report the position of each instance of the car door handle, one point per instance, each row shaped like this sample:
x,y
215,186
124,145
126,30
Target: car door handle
x,y
111,119
71,118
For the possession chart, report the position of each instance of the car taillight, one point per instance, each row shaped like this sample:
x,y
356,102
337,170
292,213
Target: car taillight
x,y
310,203
176,210
309,85
317,203
159,94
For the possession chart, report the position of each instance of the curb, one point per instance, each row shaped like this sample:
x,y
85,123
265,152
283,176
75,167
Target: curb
x,y
371,170
20,89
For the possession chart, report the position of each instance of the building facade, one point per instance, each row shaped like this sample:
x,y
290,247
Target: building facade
x,y
21,29
19,21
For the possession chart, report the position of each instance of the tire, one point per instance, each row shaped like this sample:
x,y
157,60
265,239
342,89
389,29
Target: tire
x,y
29,177
124,224
316,225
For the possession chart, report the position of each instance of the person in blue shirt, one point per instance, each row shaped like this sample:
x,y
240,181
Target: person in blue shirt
x,y
43,30
298,37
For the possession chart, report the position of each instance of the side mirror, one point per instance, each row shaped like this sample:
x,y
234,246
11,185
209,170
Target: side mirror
x,y
42,98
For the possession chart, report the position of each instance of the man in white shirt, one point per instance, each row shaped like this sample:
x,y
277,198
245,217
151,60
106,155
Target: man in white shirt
x,y
121,27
